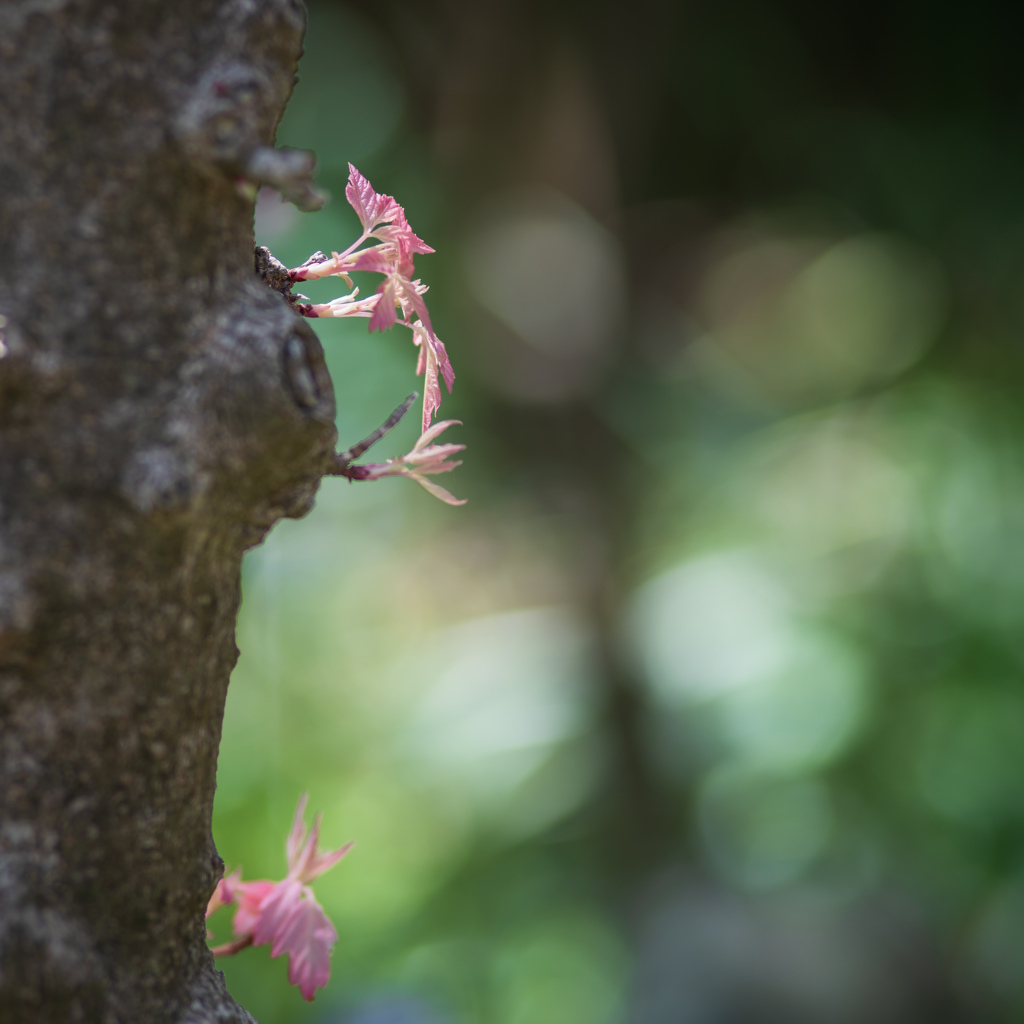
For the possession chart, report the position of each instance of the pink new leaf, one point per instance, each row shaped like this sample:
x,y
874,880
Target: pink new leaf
x,y
423,442
307,936
433,358
412,292
305,862
371,208
439,492
250,897
431,388
403,236
297,836
444,363
398,299
285,915
291,921
224,894
372,260
274,909
383,316
425,459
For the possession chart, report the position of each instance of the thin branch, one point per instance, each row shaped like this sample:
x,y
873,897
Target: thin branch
x,y
231,948
342,465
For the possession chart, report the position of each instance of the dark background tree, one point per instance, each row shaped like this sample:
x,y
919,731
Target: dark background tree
x,y
160,409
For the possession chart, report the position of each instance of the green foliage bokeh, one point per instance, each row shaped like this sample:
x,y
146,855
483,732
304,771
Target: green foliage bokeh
x,y
709,704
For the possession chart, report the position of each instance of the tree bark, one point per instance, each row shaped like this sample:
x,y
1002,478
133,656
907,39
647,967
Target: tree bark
x,y
160,409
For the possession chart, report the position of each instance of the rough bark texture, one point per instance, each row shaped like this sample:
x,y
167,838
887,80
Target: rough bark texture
x,y
160,408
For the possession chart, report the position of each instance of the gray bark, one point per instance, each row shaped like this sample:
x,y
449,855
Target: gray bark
x,y
160,409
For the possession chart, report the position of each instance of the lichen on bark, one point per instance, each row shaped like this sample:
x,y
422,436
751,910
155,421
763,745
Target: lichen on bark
x,y
160,409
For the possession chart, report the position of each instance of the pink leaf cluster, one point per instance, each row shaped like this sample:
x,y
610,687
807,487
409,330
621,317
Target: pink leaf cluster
x,y
285,915
424,460
399,299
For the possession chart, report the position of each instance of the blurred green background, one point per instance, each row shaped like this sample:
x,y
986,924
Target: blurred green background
x,y
708,707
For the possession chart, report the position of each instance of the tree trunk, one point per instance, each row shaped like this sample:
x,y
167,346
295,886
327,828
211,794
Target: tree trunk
x,y
160,409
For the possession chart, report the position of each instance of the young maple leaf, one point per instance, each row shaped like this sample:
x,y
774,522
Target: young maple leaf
x,y
224,894
250,897
285,915
433,359
371,207
425,459
381,216
306,935
305,862
402,235
291,921
399,298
